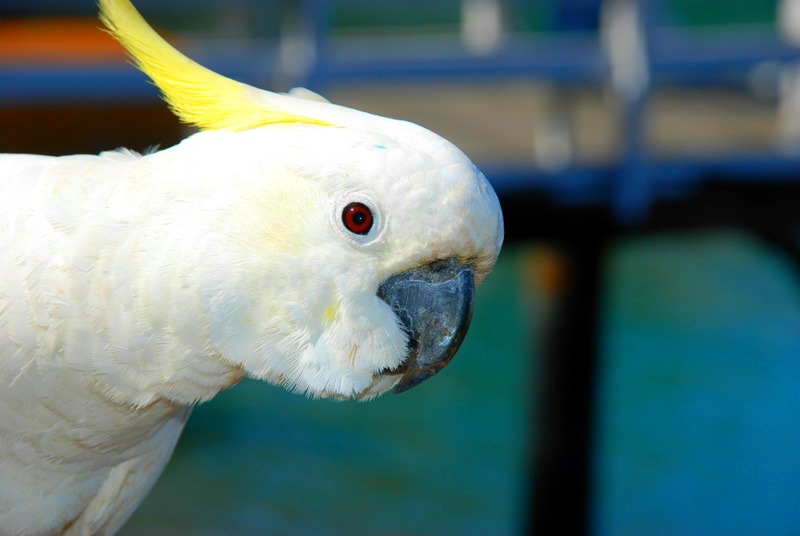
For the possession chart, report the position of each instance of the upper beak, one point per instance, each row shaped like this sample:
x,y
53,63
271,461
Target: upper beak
x,y
434,303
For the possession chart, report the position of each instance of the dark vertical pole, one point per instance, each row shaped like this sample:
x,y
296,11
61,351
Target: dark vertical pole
x,y
562,471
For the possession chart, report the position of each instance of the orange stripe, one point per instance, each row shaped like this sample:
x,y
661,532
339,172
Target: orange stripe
x,y
57,40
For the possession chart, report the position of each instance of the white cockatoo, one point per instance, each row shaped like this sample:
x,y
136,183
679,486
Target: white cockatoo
x,y
325,249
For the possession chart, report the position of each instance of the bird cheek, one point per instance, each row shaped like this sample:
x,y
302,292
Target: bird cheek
x,y
353,347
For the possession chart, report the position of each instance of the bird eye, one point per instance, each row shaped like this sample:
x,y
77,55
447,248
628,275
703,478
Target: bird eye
x,y
357,218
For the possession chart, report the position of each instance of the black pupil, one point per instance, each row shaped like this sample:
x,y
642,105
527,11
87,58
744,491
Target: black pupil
x,y
359,217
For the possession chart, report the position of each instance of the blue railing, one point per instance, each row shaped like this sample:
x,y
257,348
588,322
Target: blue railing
x,y
573,53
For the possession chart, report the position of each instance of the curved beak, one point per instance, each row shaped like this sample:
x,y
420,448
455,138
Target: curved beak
x,y
434,304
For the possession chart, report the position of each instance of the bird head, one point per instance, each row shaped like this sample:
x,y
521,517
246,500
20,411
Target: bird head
x,y
348,247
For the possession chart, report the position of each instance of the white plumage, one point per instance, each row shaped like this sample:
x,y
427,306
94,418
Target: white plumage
x,y
133,287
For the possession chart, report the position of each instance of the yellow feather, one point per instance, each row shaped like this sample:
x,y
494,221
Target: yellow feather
x,y
197,95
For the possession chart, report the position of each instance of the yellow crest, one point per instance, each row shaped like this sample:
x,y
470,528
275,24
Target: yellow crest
x,y
197,95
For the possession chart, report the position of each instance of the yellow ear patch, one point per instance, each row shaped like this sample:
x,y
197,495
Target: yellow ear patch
x,y
197,95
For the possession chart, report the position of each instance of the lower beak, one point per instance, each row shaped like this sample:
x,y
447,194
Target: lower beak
x,y
434,304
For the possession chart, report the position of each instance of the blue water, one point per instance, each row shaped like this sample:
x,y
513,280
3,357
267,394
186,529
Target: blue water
x,y
698,408
700,390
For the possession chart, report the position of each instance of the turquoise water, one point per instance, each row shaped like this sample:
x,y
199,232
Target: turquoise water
x,y
697,431
700,390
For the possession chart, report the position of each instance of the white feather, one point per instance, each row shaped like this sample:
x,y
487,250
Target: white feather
x,y
132,287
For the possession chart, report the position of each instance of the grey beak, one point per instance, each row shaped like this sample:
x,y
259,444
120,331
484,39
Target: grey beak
x,y
434,304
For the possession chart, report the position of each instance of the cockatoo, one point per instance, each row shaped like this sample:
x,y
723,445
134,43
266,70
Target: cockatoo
x,y
310,245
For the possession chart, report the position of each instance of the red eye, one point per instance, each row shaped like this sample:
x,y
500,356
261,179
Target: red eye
x,y
357,218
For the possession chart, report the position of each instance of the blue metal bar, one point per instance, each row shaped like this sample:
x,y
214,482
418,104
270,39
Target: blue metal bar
x,y
55,85
670,179
573,59
567,60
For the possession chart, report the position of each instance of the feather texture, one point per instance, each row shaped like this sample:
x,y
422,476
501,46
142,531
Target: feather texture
x,y
135,286
197,95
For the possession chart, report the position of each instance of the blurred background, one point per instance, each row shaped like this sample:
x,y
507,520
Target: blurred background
x,y
632,367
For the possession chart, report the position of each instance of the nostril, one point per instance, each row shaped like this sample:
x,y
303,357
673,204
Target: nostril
x,y
442,265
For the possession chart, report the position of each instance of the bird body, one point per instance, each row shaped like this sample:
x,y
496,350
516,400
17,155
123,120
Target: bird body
x,y
288,245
